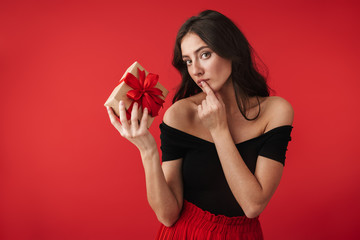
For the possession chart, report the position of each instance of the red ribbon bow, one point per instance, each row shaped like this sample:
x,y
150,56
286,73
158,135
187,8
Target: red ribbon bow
x,y
144,92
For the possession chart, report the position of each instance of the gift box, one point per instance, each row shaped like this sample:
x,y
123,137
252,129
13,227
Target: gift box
x,y
138,85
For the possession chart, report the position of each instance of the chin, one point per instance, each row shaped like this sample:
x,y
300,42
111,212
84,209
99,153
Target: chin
x,y
215,88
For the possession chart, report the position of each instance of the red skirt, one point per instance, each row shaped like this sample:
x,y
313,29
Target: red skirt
x,y
195,223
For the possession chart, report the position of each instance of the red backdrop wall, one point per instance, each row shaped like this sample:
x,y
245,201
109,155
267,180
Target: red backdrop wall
x,y
67,174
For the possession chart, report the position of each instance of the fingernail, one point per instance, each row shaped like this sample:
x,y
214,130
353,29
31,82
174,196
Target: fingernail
x,y
135,104
121,103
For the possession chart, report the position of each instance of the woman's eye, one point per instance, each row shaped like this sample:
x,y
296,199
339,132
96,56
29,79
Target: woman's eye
x,y
187,62
205,55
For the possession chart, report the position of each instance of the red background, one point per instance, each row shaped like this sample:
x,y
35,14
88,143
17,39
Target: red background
x,y
66,173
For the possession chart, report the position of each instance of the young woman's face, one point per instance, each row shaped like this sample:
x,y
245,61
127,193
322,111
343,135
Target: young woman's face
x,y
203,63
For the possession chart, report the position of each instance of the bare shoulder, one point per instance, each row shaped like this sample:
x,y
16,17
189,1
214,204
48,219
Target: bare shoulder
x,y
181,114
279,112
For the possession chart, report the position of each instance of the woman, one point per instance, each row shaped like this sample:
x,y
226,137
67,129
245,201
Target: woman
x,y
223,140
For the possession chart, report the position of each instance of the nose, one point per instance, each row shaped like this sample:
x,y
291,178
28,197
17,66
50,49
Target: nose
x,y
197,69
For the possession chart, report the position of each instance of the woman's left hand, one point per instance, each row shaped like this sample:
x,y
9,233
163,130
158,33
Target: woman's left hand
x,y
137,133
211,111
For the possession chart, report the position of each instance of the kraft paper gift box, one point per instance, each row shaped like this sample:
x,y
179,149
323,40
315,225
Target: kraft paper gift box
x,y
137,85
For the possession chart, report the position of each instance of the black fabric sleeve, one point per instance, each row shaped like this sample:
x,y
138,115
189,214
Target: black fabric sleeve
x,y
171,146
276,144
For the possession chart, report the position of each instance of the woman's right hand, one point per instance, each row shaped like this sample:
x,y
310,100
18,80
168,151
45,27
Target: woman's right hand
x,y
137,134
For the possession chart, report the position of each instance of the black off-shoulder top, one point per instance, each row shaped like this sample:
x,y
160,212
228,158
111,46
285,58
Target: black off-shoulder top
x,y
204,180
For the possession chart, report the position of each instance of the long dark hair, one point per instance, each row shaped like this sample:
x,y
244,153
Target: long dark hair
x,y
226,40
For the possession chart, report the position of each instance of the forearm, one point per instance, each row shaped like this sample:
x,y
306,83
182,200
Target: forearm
x,y
243,184
160,196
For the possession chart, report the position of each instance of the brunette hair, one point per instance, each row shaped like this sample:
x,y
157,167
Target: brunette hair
x,y
226,40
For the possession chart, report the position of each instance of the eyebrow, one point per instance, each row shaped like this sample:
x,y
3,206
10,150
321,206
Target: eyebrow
x,y
197,50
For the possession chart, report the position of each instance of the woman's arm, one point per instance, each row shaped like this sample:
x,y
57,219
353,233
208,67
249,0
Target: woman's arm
x,y
164,194
163,188
253,192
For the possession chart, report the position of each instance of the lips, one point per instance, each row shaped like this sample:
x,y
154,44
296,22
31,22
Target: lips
x,y
201,80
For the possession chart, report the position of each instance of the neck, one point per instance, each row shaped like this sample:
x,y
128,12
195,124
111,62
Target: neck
x,y
227,93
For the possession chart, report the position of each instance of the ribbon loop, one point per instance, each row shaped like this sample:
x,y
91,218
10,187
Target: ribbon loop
x,y
144,92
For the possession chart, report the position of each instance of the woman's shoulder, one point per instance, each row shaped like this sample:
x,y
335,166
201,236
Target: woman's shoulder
x,y
278,102
278,112
182,113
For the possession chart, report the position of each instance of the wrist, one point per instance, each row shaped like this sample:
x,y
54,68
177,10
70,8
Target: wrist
x,y
219,133
149,153
219,129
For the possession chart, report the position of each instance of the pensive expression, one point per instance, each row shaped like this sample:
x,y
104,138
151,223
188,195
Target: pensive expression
x,y
203,63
